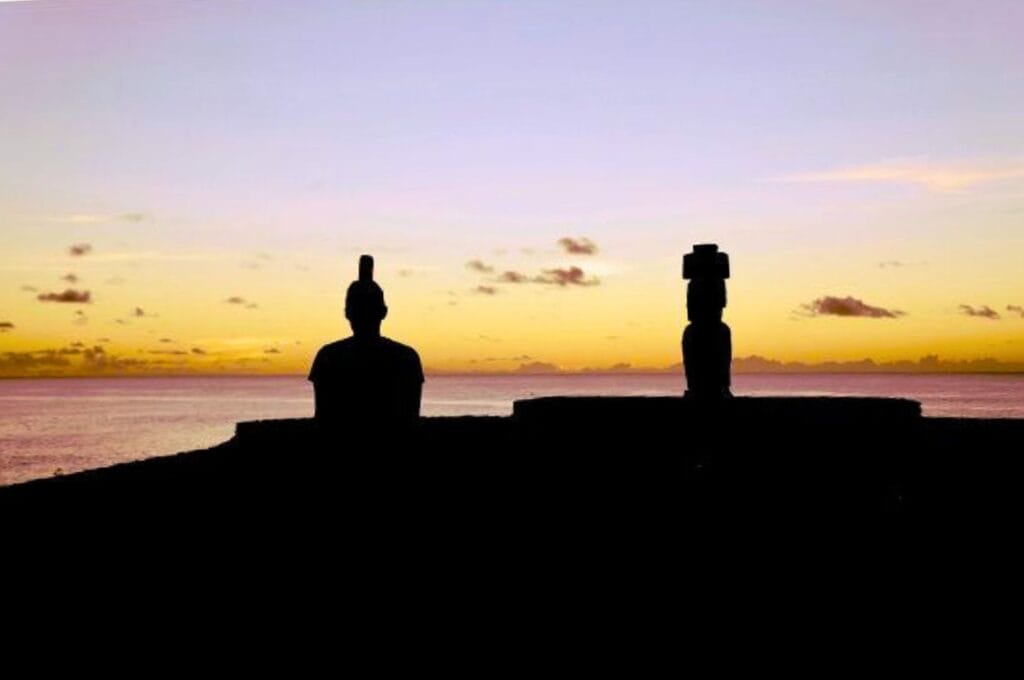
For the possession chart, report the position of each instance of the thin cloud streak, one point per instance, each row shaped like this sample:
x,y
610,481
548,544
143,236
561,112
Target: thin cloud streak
x,y
848,306
915,172
84,218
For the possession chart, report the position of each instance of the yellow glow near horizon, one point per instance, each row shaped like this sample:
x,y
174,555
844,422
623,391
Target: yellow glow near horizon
x,y
634,317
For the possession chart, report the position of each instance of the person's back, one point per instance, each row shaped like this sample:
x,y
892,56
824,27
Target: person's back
x,y
366,379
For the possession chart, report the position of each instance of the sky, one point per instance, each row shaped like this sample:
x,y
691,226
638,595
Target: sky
x,y
185,187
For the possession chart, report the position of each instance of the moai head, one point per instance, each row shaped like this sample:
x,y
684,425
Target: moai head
x,y
707,269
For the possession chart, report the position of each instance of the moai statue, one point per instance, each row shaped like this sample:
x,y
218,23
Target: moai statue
x,y
707,342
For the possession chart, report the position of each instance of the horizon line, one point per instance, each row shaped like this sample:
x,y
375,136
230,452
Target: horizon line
x,y
525,374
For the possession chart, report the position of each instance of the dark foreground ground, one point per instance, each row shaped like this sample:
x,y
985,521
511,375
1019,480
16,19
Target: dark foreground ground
x,y
561,468
607,531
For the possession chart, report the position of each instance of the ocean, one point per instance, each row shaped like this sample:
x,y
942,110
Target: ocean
x,y
57,426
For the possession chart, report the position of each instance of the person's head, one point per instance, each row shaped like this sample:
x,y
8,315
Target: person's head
x,y
365,308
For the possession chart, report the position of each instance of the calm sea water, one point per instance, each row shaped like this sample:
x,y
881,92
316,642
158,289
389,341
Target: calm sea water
x,y
69,425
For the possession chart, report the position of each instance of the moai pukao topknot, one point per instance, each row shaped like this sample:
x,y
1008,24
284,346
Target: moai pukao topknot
x,y
707,342
364,297
366,268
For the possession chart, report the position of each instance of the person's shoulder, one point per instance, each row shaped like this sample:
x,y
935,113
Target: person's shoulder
x,y
336,346
333,350
399,349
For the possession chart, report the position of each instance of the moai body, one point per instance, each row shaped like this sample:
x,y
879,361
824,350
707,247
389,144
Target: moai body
x,y
707,341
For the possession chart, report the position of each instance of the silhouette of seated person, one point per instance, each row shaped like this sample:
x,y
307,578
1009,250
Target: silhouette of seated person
x,y
366,380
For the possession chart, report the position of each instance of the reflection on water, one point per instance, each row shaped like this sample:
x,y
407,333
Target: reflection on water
x,y
72,424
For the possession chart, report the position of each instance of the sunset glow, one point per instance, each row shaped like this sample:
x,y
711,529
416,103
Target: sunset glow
x,y
186,187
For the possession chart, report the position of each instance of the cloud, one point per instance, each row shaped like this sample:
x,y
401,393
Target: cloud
x,y
573,276
271,350
198,351
80,249
917,172
1016,309
513,277
984,312
486,290
580,246
70,278
848,306
238,300
900,264
172,352
30,289
479,266
74,359
165,340
20,361
82,218
97,359
620,367
537,367
926,364
69,295
6,326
